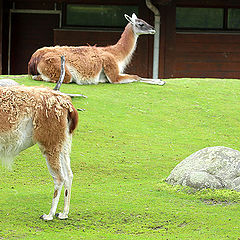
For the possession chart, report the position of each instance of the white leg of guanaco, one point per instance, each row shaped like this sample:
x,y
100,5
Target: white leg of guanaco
x,y
68,176
58,183
152,81
67,194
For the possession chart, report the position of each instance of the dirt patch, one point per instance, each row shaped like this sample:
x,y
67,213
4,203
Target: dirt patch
x,y
217,202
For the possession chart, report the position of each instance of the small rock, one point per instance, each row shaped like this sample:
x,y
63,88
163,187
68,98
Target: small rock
x,y
7,82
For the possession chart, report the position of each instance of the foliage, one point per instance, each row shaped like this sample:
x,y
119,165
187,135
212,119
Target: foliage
x,y
129,138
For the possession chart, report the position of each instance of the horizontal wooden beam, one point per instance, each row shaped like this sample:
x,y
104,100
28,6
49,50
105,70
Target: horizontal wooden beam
x,y
207,3
161,2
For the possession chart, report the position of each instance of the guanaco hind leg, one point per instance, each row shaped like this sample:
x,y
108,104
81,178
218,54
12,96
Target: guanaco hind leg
x,y
58,183
67,189
59,168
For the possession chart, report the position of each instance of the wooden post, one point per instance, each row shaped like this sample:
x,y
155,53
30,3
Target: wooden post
x,y
60,81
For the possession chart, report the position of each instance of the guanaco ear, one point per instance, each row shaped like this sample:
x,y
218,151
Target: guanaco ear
x,y
134,17
129,19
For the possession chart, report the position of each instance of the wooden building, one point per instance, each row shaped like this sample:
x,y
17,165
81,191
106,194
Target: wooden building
x,y
199,38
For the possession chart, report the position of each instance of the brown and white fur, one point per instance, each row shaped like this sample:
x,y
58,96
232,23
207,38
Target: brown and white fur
x,y
31,115
91,64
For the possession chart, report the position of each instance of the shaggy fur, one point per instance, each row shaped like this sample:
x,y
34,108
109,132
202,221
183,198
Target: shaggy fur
x,y
31,115
90,64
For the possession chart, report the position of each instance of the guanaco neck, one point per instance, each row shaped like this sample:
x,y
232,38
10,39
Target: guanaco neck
x,y
126,45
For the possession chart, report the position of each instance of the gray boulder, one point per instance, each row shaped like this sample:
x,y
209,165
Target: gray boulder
x,y
211,167
7,82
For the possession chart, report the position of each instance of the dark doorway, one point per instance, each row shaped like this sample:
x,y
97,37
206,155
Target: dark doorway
x,y
29,31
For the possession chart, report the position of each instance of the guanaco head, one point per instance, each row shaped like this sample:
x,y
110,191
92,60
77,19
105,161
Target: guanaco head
x,y
139,26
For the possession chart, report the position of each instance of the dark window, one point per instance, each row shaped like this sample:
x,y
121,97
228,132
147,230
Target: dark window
x,y
199,18
98,15
233,18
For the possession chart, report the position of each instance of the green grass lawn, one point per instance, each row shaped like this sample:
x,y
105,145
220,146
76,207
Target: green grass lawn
x,y
129,138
